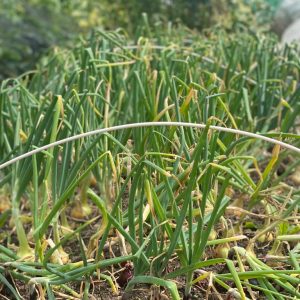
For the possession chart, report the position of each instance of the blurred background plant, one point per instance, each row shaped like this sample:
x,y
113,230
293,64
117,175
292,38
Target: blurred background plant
x,y
32,26
29,28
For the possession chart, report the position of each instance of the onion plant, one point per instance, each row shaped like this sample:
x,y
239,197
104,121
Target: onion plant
x,y
171,201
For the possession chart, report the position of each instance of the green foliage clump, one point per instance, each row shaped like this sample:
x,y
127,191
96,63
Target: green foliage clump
x,y
31,27
165,194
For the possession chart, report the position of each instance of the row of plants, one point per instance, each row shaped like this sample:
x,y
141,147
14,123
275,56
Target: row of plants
x,y
34,26
193,211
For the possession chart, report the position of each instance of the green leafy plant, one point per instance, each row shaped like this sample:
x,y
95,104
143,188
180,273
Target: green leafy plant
x,y
167,202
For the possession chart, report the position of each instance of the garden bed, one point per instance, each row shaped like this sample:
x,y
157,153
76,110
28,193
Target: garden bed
x,y
187,211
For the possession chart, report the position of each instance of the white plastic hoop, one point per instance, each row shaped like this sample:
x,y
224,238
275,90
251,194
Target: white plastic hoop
x,y
148,124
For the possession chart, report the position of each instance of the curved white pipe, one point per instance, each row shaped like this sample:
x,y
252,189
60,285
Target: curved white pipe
x,y
147,124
